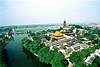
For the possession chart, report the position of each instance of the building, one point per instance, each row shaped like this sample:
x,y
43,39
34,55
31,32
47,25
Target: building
x,y
30,38
97,53
90,59
84,46
69,50
76,47
64,24
92,56
58,35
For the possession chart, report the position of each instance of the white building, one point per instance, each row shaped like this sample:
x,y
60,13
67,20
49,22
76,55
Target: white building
x,y
91,58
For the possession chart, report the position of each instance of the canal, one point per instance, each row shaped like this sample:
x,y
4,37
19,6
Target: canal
x,y
19,57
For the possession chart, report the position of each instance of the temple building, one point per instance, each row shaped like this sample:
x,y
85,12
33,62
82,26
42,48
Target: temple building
x,y
58,35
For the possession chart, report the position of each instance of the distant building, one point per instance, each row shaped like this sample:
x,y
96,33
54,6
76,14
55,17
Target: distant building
x,y
74,31
13,30
64,24
30,38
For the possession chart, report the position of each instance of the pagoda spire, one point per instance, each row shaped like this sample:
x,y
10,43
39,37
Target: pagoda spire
x,y
64,24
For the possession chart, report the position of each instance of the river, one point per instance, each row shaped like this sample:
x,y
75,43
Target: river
x,y
19,57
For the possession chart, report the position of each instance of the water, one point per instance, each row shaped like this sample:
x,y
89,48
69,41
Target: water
x,y
19,57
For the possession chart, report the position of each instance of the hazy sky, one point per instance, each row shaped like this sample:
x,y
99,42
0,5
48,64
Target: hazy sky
x,y
16,12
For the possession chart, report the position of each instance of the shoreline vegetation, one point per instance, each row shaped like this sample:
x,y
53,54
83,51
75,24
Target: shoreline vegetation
x,y
3,57
5,37
45,55
3,53
35,59
82,55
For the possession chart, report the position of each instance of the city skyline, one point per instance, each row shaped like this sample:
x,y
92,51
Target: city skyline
x,y
23,12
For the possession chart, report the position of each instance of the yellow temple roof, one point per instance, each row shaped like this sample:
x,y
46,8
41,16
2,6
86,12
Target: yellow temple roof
x,y
57,33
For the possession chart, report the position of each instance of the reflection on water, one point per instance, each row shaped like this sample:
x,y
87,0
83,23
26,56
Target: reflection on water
x,y
34,59
18,57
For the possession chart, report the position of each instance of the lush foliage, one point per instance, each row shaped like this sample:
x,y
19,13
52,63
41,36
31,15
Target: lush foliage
x,y
79,57
59,60
96,62
76,26
3,41
33,46
53,57
44,54
3,60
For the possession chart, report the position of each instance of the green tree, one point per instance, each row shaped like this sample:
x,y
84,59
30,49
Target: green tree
x,y
48,56
35,47
97,61
58,60
93,65
64,62
42,52
47,37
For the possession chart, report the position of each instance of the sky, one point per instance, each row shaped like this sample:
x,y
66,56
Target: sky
x,y
23,12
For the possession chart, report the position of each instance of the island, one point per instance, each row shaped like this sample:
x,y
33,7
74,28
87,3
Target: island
x,y
70,45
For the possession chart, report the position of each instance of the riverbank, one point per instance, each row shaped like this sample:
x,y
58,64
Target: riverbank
x,y
3,57
37,63
15,54
19,56
3,52
35,59
45,55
